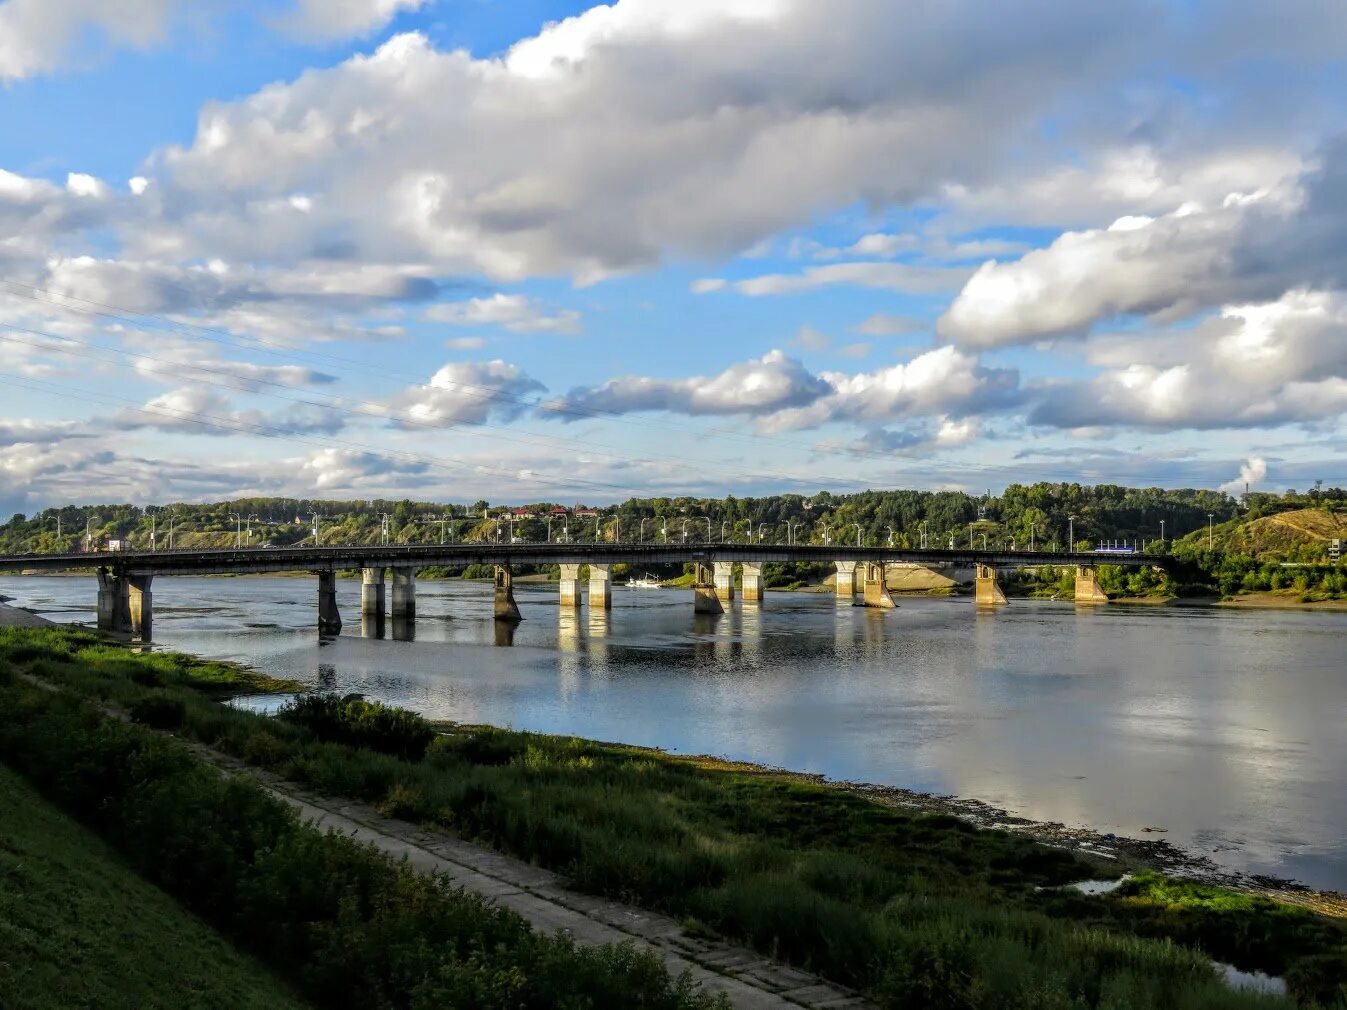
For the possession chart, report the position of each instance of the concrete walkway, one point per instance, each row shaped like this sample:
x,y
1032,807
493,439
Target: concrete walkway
x,y
751,981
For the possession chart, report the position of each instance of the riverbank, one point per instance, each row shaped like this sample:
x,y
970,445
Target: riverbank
x,y
854,884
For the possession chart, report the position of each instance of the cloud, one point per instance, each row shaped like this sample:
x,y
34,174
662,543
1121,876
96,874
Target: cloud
x,y
1249,247
782,394
1250,366
567,155
884,276
465,392
1252,473
209,412
883,325
329,469
772,383
329,20
811,339
707,285
516,313
943,433
39,36
26,431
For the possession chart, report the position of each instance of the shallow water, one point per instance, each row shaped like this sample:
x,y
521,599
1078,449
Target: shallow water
x,y
1226,729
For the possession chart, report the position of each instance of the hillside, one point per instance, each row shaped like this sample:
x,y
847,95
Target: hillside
x,y
1301,535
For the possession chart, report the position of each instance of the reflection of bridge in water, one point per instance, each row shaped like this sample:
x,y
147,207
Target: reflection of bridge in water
x,y
125,579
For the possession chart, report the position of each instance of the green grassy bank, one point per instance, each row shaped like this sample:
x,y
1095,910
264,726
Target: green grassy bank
x,y
919,911
79,928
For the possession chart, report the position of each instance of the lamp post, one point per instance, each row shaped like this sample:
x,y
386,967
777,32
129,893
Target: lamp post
x,y
923,534
984,542
858,533
971,546
1071,533
723,524
1208,531
641,535
685,530
1162,534
761,527
708,529
238,529
890,529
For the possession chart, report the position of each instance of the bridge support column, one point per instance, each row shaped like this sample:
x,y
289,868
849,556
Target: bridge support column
x,y
506,609
570,587
404,594
329,617
846,580
114,605
1087,586
987,591
372,593
372,598
752,582
600,587
140,602
705,599
724,579
876,591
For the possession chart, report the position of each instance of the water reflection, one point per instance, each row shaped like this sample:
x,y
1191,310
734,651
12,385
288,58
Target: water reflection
x,y
1222,727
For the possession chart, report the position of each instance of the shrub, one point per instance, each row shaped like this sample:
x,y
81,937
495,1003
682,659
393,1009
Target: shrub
x,y
355,722
159,711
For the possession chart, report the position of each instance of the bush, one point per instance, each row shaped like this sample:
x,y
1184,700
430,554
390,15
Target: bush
x,y
159,711
355,722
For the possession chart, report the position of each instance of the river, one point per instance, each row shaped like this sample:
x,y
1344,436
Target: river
x,y
1226,729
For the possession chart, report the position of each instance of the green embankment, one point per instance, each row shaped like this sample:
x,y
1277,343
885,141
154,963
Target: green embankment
x,y
79,928
919,911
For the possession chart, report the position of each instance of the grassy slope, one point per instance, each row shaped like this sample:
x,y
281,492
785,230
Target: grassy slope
x,y
80,929
1277,537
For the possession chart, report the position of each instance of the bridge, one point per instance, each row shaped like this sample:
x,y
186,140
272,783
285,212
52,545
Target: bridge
x,y
125,578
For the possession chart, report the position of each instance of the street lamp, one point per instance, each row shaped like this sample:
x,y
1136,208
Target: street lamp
x,y
1208,531
238,529
858,533
641,535
761,527
1162,534
708,529
723,524
1071,533
685,530
984,542
890,529
923,534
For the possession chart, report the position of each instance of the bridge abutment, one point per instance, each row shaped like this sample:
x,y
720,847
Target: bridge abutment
x,y
845,583
752,582
1087,585
986,589
505,607
876,591
600,587
570,587
705,599
329,617
723,572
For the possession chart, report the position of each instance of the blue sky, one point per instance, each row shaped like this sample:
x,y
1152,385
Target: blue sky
x,y
462,248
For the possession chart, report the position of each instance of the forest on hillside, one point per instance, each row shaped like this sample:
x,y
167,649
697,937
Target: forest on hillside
x,y
1038,515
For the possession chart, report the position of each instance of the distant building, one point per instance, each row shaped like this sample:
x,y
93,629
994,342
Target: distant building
x,y
580,513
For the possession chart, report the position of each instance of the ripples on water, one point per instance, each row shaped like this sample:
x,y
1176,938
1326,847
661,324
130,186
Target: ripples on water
x,y
1223,728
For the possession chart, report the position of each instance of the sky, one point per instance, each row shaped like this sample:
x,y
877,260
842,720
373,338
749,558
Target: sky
x,y
542,250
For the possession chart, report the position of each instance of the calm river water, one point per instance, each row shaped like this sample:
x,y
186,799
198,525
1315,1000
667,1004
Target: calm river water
x,y
1228,729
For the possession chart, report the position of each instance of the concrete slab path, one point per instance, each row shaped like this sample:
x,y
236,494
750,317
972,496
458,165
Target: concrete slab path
x,y
751,981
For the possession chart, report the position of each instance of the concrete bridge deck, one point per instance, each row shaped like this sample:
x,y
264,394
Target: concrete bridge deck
x,y
284,559
125,578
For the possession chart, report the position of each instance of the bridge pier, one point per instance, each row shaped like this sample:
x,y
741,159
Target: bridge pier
x,y
114,609
372,598
600,587
752,582
570,587
876,591
329,617
846,580
506,609
987,591
140,602
724,580
1087,585
705,599
404,594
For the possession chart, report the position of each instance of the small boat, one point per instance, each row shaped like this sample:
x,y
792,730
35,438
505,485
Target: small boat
x,y
646,581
